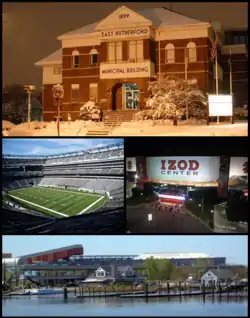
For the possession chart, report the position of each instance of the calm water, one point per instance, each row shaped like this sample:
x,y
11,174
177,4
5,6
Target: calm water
x,y
56,306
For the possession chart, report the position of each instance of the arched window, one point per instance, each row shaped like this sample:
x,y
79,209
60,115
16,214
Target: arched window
x,y
75,59
169,53
93,56
191,52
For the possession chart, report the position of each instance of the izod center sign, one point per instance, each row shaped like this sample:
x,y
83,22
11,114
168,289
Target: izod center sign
x,y
187,169
126,70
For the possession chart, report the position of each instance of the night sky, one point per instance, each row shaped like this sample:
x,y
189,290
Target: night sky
x,y
189,146
30,29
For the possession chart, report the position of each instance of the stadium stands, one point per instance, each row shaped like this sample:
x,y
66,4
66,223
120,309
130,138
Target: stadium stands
x,y
97,169
105,222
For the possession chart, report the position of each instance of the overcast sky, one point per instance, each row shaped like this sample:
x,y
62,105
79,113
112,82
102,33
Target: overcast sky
x,y
30,29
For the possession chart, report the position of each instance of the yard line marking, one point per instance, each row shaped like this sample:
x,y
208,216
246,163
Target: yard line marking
x,y
38,205
68,191
90,205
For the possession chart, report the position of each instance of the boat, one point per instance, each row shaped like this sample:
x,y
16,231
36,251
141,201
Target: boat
x,y
43,291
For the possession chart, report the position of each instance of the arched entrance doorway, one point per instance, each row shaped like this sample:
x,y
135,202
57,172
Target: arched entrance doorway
x,y
125,96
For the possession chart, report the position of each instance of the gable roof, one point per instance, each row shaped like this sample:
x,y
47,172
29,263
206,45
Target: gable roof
x,y
159,17
223,273
105,268
54,58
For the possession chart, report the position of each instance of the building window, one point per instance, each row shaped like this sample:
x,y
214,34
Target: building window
x,y
135,51
93,56
192,52
76,59
118,51
169,53
111,52
139,53
115,52
100,273
132,51
75,92
57,70
93,91
242,39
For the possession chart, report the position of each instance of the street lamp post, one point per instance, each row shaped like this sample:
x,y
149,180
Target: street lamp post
x,y
58,94
29,89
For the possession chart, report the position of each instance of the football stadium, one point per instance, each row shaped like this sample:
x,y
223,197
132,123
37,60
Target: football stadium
x,y
66,185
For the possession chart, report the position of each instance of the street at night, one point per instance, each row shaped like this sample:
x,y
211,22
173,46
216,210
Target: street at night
x,y
163,221
222,225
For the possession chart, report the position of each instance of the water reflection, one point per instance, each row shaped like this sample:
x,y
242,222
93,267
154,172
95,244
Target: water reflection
x,y
180,306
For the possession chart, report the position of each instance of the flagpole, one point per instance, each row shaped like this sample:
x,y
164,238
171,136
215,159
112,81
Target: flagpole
x,y
159,56
230,74
186,78
216,72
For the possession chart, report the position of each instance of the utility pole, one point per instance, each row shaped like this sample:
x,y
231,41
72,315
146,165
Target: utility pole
x,y
29,89
58,94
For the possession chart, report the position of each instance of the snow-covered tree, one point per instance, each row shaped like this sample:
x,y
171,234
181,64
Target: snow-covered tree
x,y
171,97
89,110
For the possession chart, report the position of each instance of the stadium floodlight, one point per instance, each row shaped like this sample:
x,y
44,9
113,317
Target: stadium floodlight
x,y
29,89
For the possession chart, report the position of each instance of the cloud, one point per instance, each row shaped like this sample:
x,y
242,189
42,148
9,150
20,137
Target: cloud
x,y
53,146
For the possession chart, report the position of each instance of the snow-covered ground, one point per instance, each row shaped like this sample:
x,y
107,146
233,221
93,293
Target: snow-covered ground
x,y
144,128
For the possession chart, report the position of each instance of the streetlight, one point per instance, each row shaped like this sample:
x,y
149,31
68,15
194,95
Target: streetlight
x,y
29,89
58,94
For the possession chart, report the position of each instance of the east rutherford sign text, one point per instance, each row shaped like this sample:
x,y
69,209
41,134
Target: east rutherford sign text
x,y
125,33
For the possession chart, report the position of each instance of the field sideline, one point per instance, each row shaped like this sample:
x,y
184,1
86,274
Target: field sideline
x,y
58,202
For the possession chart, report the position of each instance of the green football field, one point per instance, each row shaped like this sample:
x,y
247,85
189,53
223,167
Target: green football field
x,y
58,202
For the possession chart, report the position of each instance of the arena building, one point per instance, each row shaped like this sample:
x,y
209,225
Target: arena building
x,y
71,256
54,255
185,172
112,61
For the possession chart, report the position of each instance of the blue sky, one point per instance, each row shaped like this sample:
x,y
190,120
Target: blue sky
x,y
234,247
51,146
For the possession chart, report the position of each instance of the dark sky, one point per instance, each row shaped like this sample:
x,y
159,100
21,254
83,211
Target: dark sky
x,y
30,29
176,146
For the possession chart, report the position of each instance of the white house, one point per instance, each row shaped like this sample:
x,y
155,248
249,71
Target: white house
x,y
215,276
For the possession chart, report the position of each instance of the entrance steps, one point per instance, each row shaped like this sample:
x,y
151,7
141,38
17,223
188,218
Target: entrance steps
x,y
116,118
98,132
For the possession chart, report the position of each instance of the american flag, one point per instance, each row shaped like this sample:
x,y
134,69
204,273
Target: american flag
x,y
229,59
214,50
214,47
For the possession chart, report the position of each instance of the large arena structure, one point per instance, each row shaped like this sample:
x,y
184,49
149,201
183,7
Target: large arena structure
x,y
74,256
174,177
65,185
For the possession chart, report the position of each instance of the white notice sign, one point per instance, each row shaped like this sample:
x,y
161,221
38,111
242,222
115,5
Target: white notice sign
x,y
220,105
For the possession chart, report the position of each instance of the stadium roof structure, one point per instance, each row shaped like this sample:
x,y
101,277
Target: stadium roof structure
x,y
114,146
61,249
174,255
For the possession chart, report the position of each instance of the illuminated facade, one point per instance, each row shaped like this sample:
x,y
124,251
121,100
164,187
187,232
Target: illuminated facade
x,y
112,61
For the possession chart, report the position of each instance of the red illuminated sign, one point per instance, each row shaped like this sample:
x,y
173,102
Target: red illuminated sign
x,y
188,166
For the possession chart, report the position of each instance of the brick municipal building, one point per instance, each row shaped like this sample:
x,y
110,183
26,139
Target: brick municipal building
x,y
112,61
